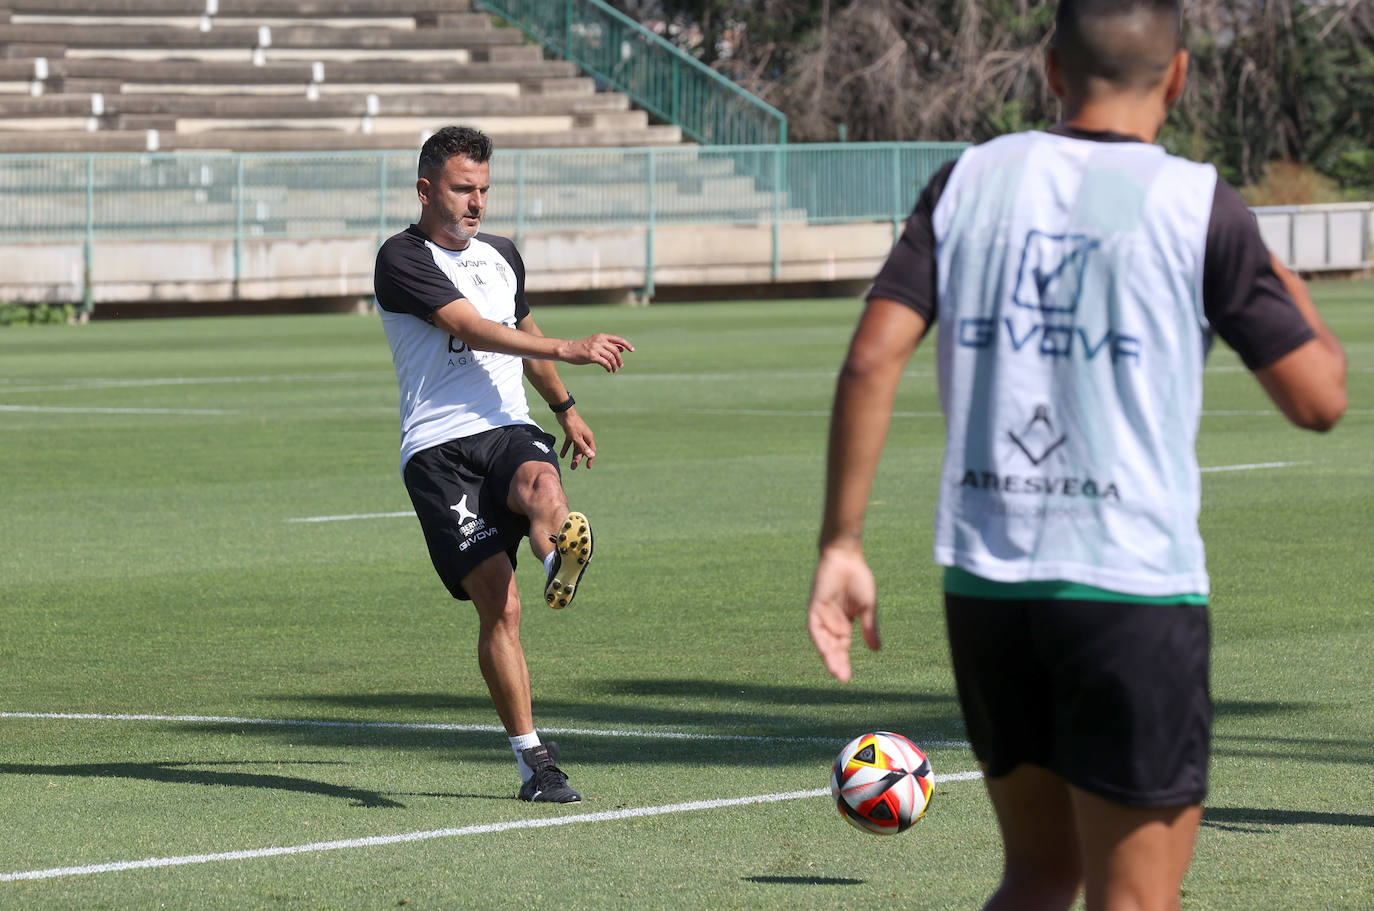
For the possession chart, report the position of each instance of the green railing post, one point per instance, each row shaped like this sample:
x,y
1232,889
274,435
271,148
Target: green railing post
x,y
896,192
652,218
88,251
673,100
520,156
567,28
238,222
778,152
381,199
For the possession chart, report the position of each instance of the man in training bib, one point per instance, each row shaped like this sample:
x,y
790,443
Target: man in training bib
x,y
480,472
1078,276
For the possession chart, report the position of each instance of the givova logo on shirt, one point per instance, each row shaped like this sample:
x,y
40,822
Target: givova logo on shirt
x,y
1044,320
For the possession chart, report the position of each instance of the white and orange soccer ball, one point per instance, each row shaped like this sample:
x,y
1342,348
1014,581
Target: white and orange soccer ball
x,y
882,783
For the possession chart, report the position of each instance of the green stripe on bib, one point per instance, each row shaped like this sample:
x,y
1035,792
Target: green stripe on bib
x,y
962,582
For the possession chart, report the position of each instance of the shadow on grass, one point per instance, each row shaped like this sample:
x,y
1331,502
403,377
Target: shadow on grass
x,y
673,721
1236,819
182,773
1342,751
1236,708
446,795
717,707
803,880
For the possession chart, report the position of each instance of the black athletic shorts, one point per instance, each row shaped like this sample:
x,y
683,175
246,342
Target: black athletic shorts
x,y
460,488
1112,697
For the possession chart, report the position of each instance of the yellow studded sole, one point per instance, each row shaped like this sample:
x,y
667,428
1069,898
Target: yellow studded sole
x,y
574,546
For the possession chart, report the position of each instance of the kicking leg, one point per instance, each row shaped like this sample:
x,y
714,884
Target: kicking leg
x,y
536,491
562,539
1041,868
1134,858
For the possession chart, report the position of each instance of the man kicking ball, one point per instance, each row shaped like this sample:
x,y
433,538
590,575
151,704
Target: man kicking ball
x,y
481,474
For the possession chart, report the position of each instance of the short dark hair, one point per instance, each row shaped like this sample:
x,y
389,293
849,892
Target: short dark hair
x,y
471,144
1128,43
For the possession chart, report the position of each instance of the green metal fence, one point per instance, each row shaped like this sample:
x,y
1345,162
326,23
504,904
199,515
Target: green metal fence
x,y
90,199
668,83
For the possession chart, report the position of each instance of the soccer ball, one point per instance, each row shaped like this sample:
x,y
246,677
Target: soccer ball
x,y
882,783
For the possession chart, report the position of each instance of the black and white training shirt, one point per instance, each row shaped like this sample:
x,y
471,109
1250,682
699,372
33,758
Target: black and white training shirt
x,y
447,390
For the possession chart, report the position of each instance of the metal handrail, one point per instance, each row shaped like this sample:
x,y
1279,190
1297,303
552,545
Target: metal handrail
x,y
667,82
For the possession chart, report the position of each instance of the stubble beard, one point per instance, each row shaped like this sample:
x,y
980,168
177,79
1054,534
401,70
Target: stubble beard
x,y
454,225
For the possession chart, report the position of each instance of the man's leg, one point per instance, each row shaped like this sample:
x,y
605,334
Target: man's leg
x,y
502,660
1041,867
1134,858
562,539
536,491
491,585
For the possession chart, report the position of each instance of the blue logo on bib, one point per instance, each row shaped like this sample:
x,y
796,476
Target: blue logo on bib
x,y
1049,282
1050,277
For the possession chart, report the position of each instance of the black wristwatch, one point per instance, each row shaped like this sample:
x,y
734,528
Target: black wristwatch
x,y
563,405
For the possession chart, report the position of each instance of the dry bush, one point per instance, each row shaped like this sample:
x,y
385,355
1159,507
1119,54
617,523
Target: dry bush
x,y
1289,183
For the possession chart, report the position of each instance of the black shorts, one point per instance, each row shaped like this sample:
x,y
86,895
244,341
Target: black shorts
x,y
460,489
1112,697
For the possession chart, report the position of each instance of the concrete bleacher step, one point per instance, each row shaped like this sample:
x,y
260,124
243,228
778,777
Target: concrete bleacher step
x,y
286,140
463,21
568,89
108,108
496,126
63,72
296,9
501,53
81,35
293,75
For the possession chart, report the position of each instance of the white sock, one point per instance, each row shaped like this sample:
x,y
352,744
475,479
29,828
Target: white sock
x,y
548,561
519,745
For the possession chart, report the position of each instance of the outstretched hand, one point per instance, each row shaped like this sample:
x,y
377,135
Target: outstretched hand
x,y
577,436
843,591
601,349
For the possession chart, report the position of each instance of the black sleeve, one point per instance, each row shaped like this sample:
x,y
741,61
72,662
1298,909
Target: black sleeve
x,y
406,279
908,276
506,247
1244,299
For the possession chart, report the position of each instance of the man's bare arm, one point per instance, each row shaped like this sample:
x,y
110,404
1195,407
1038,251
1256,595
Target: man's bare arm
x,y
1308,383
883,343
543,376
843,589
460,319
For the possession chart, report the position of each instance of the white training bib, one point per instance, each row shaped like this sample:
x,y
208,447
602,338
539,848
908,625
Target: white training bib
x,y
1071,345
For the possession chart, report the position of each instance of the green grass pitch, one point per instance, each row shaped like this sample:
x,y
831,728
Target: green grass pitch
x,y
149,565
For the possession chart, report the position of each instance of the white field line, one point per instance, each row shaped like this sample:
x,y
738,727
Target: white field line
x,y
439,726
783,412
1253,466
361,515
1241,368
106,383
58,409
431,834
825,412
11,385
